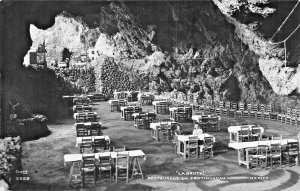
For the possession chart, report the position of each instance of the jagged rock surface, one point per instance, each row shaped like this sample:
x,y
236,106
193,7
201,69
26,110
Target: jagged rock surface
x,y
190,45
283,81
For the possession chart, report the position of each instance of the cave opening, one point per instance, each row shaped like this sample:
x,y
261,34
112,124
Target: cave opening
x,y
66,54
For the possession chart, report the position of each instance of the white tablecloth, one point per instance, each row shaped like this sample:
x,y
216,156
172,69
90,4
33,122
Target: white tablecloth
x,y
236,129
198,117
68,158
147,94
156,102
82,106
79,139
86,113
243,145
116,100
200,137
88,123
154,125
172,109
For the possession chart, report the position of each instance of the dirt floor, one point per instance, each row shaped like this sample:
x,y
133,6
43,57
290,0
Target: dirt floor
x,y
43,159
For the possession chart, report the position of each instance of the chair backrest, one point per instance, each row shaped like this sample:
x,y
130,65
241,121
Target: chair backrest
x,y
164,126
262,150
262,107
227,105
208,141
294,112
241,106
86,139
277,137
86,147
81,131
99,144
105,160
204,119
244,130
221,104
288,111
269,108
88,160
214,119
275,148
249,107
293,146
233,105
122,159
180,110
255,107
255,130
193,141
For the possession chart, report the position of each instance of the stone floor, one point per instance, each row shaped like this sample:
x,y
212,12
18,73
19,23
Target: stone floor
x,y
43,158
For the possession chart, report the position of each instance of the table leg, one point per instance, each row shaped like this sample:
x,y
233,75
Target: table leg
x,y
71,172
230,137
184,149
137,171
239,156
247,158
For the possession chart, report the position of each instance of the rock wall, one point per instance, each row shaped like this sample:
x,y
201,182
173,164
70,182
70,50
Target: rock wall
x,y
109,77
42,90
81,77
283,80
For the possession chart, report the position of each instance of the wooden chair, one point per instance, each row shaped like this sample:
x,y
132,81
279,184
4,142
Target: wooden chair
x,y
294,117
214,123
95,129
85,147
275,111
188,112
203,123
281,116
114,106
192,147
232,111
122,167
241,108
267,113
105,168
244,133
260,112
80,118
91,117
81,130
288,116
180,115
99,145
246,113
88,169
128,113
261,157
208,147
255,134
254,111
290,153
218,110
275,154
140,121
226,109
164,132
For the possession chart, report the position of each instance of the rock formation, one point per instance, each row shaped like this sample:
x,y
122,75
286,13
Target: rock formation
x,y
220,48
